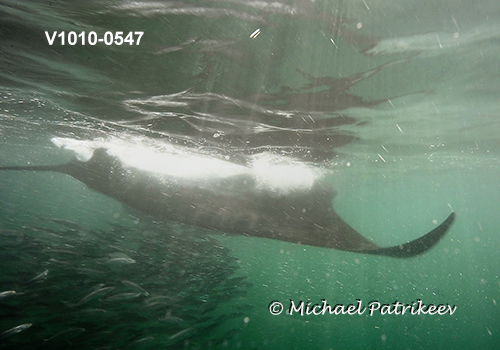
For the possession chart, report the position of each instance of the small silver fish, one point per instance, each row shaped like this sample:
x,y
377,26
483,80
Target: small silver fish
x,y
40,278
120,258
178,334
15,330
136,286
94,294
96,287
123,296
7,293
139,341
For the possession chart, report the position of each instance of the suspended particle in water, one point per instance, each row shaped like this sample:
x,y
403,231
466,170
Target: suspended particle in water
x,y
381,157
255,33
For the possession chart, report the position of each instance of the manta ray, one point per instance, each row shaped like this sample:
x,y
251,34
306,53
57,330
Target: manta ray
x,y
234,204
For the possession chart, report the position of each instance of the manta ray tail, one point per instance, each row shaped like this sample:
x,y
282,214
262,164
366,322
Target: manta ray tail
x,y
417,246
56,168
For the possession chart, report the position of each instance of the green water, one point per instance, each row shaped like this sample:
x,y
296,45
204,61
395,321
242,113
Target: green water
x,y
396,104
460,271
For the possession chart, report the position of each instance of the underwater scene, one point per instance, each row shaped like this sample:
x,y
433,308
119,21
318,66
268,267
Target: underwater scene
x,y
239,174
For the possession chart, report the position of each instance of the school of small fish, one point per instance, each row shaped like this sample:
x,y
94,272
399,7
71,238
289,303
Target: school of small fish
x,y
149,286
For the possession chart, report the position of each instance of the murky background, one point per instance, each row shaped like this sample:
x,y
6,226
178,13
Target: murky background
x,y
396,103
